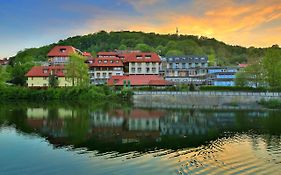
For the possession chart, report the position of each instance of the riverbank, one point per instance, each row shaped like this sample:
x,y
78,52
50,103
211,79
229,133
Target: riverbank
x,y
211,99
67,93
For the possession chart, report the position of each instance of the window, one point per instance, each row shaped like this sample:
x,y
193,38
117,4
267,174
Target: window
x,y
109,74
63,50
133,64
44,78
147,64
104,74
139,70
98,75
154,69
147,70
105,61
133,70
139,64
183,65
31,78
45,71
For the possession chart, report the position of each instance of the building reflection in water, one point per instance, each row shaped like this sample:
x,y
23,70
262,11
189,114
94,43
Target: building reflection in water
x,y
126,126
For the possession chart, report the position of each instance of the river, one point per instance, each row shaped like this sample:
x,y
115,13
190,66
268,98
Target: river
x,y
118,138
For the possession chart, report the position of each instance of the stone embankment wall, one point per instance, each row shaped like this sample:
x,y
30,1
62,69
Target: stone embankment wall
x,y
199,99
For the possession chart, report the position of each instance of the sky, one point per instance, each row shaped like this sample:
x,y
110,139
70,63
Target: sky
x,y
34,23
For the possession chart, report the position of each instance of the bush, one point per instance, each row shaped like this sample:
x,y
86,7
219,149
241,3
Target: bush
x,y
272,103
68,93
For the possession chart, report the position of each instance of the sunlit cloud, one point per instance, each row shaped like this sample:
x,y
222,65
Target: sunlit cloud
x,y
236,22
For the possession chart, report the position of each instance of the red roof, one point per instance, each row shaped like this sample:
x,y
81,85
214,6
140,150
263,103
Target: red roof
x,y
62,51
138,80
141,57
133,56
243,65
87,54
105,62
45,71
107,54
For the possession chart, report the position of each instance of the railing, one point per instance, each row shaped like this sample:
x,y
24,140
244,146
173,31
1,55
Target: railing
x,y
210,93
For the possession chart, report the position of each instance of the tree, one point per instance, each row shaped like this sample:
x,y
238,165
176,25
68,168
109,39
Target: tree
x,y
272,66
77,71
53,81
250,76
18,71
144,48
122,47
174,53
4,75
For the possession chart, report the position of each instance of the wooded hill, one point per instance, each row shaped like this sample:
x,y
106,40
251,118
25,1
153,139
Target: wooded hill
x,y
165,45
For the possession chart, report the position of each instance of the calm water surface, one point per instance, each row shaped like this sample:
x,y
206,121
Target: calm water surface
x,y
87,138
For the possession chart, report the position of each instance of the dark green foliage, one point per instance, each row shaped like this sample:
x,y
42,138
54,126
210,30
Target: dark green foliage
x,y
272,104
239,88
71,93
192,87
162,44
53,81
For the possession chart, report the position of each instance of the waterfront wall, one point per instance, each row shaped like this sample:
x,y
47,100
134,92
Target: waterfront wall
x,y
214,99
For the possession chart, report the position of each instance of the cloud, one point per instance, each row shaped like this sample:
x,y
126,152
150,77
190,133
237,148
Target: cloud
x,y
225,20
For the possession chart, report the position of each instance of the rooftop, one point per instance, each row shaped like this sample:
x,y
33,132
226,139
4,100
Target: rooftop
x,y
62,51
138,80
45,71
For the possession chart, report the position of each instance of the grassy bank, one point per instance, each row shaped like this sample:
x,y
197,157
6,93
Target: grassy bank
x,y
69,93
271,104
238,88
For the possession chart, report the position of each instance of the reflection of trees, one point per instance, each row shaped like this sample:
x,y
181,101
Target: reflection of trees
x,y
74,123
77,127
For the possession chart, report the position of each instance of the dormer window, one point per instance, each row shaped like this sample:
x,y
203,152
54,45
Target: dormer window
x,y
105,61
139,57
111,61
117,61
45,71
147,56
62,50
99,61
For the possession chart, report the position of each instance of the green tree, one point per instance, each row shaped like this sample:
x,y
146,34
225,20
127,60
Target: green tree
x,y
144,48
77,71
53,81
122,47
250,76
272,66
4,75
174,53
18,72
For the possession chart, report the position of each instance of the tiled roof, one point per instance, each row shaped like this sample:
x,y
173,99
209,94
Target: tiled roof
x,y
87,54
132,56
243,65
107,54
140,57
62,51
105,62
138,80
45,71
